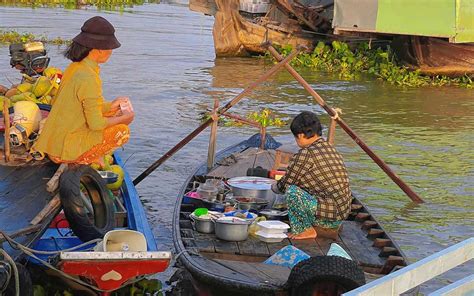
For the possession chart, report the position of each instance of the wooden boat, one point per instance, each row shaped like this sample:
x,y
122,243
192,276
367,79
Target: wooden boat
x,y
218,267
24,196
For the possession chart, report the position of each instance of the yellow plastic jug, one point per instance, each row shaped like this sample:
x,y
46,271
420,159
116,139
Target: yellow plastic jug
x,y
26,119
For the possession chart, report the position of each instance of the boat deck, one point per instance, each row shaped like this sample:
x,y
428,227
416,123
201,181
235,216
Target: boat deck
x,y
22,196
360,235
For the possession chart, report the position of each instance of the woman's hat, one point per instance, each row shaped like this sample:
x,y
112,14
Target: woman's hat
x,y
97,33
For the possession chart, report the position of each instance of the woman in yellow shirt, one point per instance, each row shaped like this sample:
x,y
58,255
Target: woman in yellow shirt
x,y
82,127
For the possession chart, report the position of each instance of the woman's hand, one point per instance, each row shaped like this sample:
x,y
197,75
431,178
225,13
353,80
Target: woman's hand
x,y
115,107
127,117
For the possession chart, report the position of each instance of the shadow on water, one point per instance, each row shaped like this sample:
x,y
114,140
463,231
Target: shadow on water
x,y
167,66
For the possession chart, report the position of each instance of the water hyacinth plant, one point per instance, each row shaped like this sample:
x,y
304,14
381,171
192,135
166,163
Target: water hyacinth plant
x,y
381,63
76,4
9,37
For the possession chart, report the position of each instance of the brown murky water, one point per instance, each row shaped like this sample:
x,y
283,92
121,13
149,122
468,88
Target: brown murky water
x,y
167,66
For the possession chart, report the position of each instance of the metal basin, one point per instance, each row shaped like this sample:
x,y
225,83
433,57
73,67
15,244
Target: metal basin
x,y
202,225
257,187
232,229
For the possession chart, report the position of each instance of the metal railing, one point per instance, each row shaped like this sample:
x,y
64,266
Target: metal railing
x,y
415,274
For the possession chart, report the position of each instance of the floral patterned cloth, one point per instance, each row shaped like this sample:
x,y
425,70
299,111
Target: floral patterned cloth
x,y
302,208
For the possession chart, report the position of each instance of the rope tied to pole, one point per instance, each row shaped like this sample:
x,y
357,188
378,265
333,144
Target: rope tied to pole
x,y
337,111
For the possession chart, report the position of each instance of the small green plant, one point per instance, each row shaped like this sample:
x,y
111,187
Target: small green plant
x,y
266,118
76,4
9,37
381,63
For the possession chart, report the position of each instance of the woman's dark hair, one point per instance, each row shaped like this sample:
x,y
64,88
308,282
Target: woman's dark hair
x,y
306,123
76,52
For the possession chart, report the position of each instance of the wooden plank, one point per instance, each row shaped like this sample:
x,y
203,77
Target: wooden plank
x,y
270,274
417,273
369,224
382,242
388,251
375,233
325,243
219,270
309,246
360,247
226,247
185,224
187,233
251,157
275,247
362,216
205,245
254,247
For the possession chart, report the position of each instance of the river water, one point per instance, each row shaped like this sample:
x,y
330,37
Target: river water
x,y
167,66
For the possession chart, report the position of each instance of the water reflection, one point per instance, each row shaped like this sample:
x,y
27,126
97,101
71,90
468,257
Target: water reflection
x,y
167,65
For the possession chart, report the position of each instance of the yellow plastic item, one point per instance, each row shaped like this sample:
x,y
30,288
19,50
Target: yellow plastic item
x,y
50,72
119,171
253,228
26,119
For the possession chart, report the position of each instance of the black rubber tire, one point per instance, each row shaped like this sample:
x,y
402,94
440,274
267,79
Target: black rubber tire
x,y
324,269
85,227
26,285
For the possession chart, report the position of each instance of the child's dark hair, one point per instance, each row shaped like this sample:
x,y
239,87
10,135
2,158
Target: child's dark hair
x,y
76,52
306,123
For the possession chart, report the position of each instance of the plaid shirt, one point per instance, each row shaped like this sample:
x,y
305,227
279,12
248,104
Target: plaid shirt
x,y
319,170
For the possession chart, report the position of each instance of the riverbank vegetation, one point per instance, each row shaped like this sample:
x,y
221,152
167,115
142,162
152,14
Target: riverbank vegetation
x,y
9,37
381,63
76,4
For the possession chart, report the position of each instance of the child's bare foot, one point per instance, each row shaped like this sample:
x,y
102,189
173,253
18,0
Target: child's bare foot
x,y
307,234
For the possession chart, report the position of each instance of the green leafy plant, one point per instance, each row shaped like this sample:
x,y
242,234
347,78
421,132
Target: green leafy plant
x,y
9,37
266,118
381,63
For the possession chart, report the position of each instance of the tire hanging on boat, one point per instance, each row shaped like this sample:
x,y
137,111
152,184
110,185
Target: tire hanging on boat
x,y
333,274
86,203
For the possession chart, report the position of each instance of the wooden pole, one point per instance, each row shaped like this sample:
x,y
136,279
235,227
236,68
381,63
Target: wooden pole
x,y
410,193
263,136
224,109
211,152
6,119
331,131
332,128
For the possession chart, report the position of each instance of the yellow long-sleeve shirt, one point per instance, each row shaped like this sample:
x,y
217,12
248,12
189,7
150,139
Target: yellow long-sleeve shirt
x,y
76,121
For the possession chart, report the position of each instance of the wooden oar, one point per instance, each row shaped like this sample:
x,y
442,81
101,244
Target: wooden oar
x,y
411,194
222,110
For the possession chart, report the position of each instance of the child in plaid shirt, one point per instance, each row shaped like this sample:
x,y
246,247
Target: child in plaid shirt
x,y
316,184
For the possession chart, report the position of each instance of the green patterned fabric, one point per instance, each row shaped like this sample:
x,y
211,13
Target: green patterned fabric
x,y
302,208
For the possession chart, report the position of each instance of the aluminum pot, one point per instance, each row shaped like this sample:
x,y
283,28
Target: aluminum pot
x,y
252,203
257,187
232,229
202,225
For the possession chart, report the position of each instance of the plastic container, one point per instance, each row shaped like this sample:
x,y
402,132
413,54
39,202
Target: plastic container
x,y
200,212
273,227
208,190
270,237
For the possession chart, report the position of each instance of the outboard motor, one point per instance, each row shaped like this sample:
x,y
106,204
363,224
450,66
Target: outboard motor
x,y
30,58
